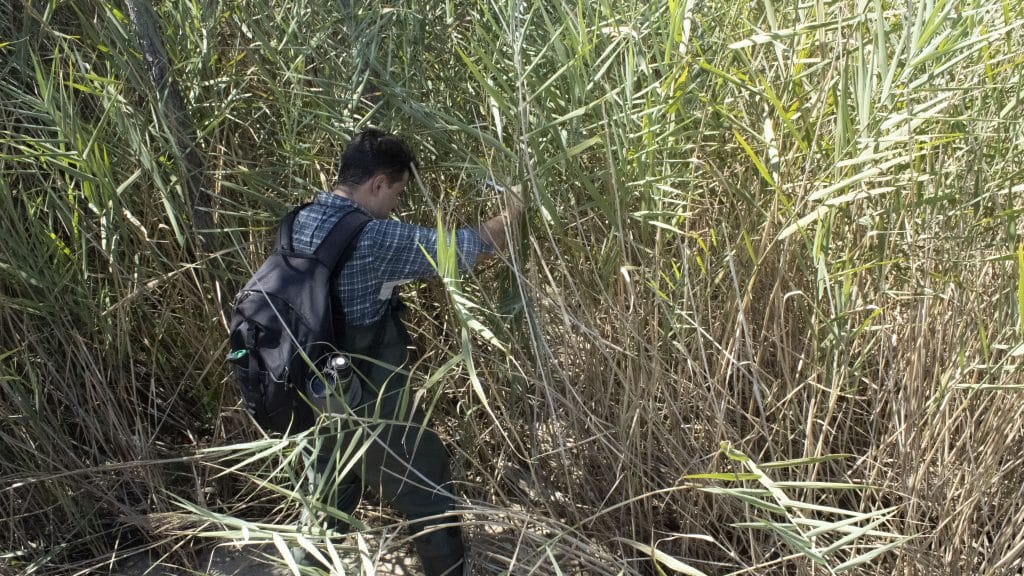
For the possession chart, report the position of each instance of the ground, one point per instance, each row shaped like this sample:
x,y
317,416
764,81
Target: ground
x,y
233,560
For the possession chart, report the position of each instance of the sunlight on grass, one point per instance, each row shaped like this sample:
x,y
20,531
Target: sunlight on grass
x,y
764,315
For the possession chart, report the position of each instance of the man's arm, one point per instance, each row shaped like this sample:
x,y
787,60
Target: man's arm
x,y
398,248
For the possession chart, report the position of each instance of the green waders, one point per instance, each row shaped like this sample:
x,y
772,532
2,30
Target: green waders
x,y
404,462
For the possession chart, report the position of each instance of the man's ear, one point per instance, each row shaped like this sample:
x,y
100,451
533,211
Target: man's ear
x,y
379,183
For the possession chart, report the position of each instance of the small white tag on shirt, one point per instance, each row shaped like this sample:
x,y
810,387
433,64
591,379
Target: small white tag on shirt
x,y
388,287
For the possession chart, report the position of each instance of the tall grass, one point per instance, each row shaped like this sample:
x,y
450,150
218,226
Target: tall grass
x,y
764,314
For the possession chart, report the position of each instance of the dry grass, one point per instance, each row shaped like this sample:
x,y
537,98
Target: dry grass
x,y
764,317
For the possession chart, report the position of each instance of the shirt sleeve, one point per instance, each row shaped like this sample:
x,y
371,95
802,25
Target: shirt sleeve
x,y
399,248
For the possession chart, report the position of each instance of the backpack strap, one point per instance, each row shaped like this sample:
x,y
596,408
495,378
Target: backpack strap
x,y
284,232
336,247
339,244
334,251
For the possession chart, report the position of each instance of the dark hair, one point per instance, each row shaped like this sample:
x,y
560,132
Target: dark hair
x,y
372,152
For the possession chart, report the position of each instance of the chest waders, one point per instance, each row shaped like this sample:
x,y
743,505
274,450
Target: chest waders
x,y
404,461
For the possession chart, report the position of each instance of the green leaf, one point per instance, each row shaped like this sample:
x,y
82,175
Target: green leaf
x,y
790,535
804,461
853,532
663,558
1020,289
867,556
748,498
727,476
725,447
757,161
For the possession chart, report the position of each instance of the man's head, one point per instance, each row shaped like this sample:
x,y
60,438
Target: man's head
x,y
373,170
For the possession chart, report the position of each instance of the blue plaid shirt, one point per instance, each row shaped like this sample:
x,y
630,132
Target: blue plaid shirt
x,y
388,253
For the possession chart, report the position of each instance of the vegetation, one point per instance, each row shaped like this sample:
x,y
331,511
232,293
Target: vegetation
x,y
765,314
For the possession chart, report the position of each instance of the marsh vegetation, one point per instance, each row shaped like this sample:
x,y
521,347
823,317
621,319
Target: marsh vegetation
x,y
764,316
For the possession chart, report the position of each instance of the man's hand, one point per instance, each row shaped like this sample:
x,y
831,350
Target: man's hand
x,y
514,204
495,230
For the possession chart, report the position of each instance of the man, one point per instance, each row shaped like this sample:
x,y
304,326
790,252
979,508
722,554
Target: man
x,y
404,462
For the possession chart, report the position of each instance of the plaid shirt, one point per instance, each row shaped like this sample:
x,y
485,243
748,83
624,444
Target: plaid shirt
x,y
387,254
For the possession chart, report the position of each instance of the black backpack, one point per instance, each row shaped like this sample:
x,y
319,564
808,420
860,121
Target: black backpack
x,y
284,321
